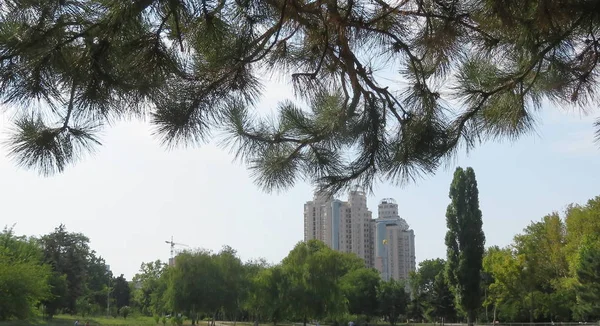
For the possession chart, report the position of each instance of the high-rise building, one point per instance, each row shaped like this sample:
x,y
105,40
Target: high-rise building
x,y
386,243
394,243
343,226
315,213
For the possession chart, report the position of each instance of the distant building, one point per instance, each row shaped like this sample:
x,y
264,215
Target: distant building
x,y
386,243
342,226
394,243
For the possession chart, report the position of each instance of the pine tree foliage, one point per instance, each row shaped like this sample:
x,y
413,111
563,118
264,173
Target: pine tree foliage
x,y
465,242
69,67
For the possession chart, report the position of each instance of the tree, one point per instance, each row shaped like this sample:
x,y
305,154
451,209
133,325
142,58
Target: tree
x,y
121,291
149,280
545,265
315,273
423,279
392,300
58,294
23,279
588,276
422,288
68,254
465,242
582,223
507,290
442,299
360,289
196,65
197,283
98,277
124,311
268,298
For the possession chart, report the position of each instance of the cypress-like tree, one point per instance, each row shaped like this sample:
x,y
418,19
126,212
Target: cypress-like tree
x,y
465,242
193,66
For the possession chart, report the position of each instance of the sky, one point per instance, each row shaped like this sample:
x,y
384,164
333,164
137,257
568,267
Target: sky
x,y
132,194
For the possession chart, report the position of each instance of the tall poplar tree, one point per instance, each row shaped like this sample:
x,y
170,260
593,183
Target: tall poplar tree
x,y
465,242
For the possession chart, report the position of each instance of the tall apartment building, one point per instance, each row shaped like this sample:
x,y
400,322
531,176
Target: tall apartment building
x,y
394,243
386,243
343,226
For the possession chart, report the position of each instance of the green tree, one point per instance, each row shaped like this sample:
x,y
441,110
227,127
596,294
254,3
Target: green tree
x,y
186,294
121,291
360,289
98,277
545,267
268,299
148,278
442,299
422,280
125,311
23,278
588,276
315,274
392,299
465,242
417,308
507,290
58,294
582,224
68,254
250,301
231,270
197,65
422,286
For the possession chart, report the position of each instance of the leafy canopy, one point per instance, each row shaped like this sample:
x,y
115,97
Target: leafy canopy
x,y
192,66
465,242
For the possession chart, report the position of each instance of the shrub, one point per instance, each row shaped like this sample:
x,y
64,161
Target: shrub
x,y
124,311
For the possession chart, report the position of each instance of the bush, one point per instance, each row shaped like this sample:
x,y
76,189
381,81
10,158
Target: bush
x,y
177,320
124,311
156,319
164,320
114,312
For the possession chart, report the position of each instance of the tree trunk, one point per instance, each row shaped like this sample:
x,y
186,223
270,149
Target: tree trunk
x,y
495,307
214,318
471,317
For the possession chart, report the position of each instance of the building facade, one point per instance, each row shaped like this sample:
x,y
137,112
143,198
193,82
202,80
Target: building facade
x,y
342,226
385,243
394,243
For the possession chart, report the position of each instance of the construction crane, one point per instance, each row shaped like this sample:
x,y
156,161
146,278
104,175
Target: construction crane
x,y
173,244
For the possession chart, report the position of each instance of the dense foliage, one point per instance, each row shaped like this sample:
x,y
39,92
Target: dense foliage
x,y
467,70
465,242
54,273
549,273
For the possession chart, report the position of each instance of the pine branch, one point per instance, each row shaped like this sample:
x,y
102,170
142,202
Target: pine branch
x,y
193,64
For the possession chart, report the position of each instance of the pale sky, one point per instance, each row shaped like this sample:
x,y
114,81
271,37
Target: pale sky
x,y
132,195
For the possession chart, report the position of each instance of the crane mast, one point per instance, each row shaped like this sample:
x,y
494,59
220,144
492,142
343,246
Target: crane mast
x,y
173,244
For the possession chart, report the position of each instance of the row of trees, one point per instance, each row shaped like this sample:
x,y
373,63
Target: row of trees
x,y
55,273
59,273
313,282
551,272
